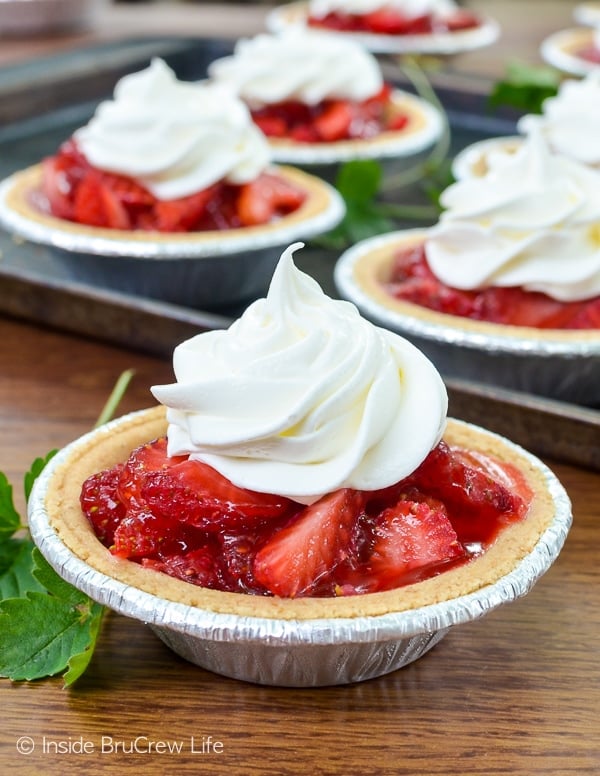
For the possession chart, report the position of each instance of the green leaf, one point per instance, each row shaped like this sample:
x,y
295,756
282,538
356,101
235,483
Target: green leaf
x,y
525,87
40,634
34,472
10,521
52,583
16,573
359,180
79,662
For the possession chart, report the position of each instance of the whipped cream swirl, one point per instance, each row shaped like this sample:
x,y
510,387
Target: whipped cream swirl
x,y
298,64
174,137
302,396
533,221
408,8
571,120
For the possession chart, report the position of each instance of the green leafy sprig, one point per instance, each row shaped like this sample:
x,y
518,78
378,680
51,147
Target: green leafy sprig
x,y
525,87
47,626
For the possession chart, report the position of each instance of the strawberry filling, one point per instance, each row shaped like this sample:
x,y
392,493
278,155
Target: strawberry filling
x,y
331,120
590,54
411,280
387,21
183,518
76,191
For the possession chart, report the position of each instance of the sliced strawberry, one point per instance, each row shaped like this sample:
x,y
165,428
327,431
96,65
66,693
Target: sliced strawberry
x,y
128,191
410,536
333,123
303,133
461,19
386,21
101,505
272,126
150,457
196,494
197,567
95,204
57,185
142,534
310,548
193,493
88,204
266,197
468,492
183,214
588,317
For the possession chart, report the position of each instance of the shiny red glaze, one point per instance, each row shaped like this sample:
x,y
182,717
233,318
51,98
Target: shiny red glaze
x,y
387,21
411,280
77,191
330,120
183,518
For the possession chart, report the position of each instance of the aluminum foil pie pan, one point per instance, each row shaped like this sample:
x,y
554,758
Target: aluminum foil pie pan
x,y
558,364
204,270
561,50
296,13
300,652
471,161
394,150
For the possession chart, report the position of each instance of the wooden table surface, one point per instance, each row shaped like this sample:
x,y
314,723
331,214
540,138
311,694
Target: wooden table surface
x,y
515,693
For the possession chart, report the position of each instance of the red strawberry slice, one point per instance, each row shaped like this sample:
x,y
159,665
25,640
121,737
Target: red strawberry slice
x,y
334,122
197,566
311,547
272,126
193,493
266,197
95,204
183,214
57,185
142,534
101,505
147,458
411,536
468,491
386,21
588,317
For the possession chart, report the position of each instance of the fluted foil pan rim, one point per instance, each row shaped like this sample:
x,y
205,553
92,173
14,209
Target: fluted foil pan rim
x,y
212,244
449,333
435,43
218,627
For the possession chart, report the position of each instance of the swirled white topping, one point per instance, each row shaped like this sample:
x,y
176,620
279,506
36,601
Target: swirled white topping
x,y
175,137
533,221
409,8
571,120
298,64
301,396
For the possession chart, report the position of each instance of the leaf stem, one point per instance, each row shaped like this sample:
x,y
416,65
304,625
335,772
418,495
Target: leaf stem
x,y
416,75
115,397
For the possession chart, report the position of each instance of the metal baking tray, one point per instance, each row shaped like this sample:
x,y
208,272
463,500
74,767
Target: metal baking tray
x,y
43,101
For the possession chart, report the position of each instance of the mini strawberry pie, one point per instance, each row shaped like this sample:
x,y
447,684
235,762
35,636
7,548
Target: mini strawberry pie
x,y
517,255
392,17
168,192
134,167
393,26
320,97
575,50
304,454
